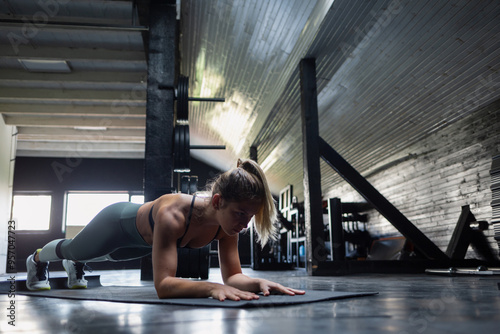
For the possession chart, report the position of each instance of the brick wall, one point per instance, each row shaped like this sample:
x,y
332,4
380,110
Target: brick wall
x,y
439,175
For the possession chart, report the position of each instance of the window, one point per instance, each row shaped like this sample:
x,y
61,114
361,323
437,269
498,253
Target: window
x,y
82,207
32,212
139,199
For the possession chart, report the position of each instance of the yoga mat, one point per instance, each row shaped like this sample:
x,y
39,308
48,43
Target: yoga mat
x,y
147,295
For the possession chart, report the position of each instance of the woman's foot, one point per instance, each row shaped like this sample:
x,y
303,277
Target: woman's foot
x,y
37,273
75,274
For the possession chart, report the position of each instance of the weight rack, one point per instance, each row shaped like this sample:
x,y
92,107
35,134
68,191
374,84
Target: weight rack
x,y
495,197
181,139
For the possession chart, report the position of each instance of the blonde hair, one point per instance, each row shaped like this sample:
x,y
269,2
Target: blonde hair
x,y
248,182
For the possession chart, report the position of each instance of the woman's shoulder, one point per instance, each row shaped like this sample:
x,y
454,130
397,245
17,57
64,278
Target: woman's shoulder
x,y
168,212
169,197
172,206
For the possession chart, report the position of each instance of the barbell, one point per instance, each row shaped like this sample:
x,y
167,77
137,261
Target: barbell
x,y
181,93
181,141
182,148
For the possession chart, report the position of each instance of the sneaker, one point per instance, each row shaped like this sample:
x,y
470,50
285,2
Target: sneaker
x,y
75,274
37,274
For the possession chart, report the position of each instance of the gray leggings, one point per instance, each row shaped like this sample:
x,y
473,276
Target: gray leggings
x,y
111,236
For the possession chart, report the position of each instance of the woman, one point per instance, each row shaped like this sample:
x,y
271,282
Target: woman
x,y
125,231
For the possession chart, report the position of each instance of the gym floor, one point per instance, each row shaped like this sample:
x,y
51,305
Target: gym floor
x,y
405,304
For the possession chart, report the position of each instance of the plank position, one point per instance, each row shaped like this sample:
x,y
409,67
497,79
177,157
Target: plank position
x,y
125,231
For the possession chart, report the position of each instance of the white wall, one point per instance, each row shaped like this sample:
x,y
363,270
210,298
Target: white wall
x,y
7,156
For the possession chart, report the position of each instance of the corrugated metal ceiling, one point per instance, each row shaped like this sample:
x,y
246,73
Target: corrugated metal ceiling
x,y
389,73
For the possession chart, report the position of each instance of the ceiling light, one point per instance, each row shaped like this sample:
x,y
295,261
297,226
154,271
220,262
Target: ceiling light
x,y
39,65
90,128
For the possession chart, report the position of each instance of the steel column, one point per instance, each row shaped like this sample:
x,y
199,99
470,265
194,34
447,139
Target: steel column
x,y
158,160
337,240
313,211
158,166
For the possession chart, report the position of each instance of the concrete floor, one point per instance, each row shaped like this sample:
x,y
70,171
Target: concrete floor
x,y
405,304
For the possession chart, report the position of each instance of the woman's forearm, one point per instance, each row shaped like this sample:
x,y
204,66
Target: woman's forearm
x,y
243,282
173,287
256,285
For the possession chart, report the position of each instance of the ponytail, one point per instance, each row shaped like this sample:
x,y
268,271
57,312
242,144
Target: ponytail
x,y
248,182
265,218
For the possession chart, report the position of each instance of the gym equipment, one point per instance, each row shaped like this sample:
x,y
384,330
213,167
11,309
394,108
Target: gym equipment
x,y
391,248
182,97
343,229
467,232
182,148
495,197
293,235
181,143
189,184
452,271
192,263
268,257
181,93
278,255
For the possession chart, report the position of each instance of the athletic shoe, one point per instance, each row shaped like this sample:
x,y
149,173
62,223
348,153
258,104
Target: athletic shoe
x,y
75,274
37,274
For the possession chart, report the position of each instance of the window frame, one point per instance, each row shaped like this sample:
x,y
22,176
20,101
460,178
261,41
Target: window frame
x,y
91,192
33,193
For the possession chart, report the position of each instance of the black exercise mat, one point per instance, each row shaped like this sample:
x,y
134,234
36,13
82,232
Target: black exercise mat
x,y
147,295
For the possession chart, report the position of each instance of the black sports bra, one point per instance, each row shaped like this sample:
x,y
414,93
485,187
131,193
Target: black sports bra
x,y
152,224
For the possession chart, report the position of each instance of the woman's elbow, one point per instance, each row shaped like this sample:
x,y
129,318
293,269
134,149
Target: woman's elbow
x,y
164,288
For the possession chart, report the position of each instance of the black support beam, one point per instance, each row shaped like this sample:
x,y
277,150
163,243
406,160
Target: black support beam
x,y
162,55
462,235
158,166
313,211
337,240
379,202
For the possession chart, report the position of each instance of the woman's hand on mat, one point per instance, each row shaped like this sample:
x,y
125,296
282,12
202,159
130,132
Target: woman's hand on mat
x,y
268,287
223,292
